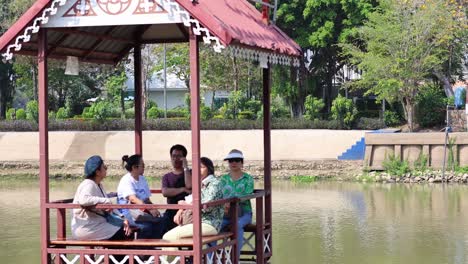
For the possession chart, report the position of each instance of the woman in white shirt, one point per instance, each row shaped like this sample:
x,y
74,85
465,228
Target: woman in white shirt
x,y
133,189
89,223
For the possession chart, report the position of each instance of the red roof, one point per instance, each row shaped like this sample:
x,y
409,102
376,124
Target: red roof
x,y
238,21
232,21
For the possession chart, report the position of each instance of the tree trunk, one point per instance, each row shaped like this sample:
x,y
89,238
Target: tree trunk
x,y
236,74
409,114
122,103
445,83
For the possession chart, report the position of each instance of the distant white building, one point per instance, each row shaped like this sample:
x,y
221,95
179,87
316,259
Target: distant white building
x,y
176,91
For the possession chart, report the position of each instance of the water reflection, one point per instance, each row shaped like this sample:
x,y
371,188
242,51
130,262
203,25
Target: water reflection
x,y
317,223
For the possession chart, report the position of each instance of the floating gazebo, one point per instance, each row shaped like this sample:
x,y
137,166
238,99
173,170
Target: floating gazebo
x,y
104,32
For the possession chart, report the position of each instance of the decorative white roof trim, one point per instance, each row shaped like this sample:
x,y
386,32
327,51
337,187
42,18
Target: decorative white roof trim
x,y
198,29
262,57
34,28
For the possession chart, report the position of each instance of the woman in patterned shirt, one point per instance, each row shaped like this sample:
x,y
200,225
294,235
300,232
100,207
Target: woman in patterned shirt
x,y
211,216
236,184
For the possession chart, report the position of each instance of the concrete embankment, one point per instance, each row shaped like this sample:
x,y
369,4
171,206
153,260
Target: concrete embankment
x,y
294,152
302,145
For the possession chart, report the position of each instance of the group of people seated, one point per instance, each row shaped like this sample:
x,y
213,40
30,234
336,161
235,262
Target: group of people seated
x,y
89,223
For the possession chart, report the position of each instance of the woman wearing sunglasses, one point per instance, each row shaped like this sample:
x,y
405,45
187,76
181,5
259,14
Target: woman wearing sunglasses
x,y
235,184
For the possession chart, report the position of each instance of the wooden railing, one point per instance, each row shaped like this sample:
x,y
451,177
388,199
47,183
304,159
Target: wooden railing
x,y
227,247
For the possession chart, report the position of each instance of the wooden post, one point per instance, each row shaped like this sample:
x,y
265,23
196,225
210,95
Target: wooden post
x,y
43,143
138,96
195,126
267,148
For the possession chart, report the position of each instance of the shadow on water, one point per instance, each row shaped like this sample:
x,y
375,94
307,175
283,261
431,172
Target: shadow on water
x,y
320,222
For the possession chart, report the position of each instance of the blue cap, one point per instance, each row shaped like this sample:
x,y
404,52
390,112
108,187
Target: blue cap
x,y
92,164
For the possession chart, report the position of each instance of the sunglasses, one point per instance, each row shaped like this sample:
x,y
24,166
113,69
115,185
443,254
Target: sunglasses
x,y
234,160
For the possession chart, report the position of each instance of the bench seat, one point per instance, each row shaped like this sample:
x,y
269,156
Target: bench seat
x,y
184,242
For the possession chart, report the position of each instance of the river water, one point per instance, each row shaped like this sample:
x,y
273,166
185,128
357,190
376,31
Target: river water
x,y
324,222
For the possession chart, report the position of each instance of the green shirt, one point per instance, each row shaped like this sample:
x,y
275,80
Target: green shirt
x,y
236,188
211,191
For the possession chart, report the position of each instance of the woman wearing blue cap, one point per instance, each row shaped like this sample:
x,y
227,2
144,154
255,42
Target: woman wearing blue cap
x,y
89,223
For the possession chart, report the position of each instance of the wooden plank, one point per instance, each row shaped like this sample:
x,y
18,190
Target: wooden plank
x,y
185,242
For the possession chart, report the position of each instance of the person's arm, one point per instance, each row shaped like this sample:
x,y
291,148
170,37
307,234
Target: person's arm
x,y
171,192
187,174
86,197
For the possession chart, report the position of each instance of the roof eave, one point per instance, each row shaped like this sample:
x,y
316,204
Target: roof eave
x,y
208,21
22,23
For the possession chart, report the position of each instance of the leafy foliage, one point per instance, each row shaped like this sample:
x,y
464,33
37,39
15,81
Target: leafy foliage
x,y
391,118
62,113
154,113
10,115
313,106
101,110
431,106
32,111
405,42
395,166
20,114
344,111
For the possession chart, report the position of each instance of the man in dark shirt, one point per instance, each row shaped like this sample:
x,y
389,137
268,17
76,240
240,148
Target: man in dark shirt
x,y
177,183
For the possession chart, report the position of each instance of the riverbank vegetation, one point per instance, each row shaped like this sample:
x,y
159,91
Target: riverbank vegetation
x,y
396,170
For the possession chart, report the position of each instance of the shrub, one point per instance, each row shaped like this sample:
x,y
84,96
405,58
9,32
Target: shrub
x,y
205,113
19,125
62,113
20,114
431,103
344,111
392,118
130,113
313,106
253,106
52,115
395,166
249,115
370,123
101,110
10,114
154,113
177,112
87,112
421,162
32,111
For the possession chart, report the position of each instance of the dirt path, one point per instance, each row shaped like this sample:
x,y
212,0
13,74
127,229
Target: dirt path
x,y
333,169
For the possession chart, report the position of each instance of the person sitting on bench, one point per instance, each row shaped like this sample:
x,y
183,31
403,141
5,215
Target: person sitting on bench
x,y
89,223
235,184
133,189
211,217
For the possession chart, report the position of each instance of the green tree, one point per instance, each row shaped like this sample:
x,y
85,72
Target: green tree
x,y
32,111
116,89
313,106
320,25
405,42
344,111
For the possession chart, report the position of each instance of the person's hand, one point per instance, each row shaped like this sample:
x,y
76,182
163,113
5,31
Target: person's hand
x,y
184,162
154,212
127,229
226,209
178,217
182,202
